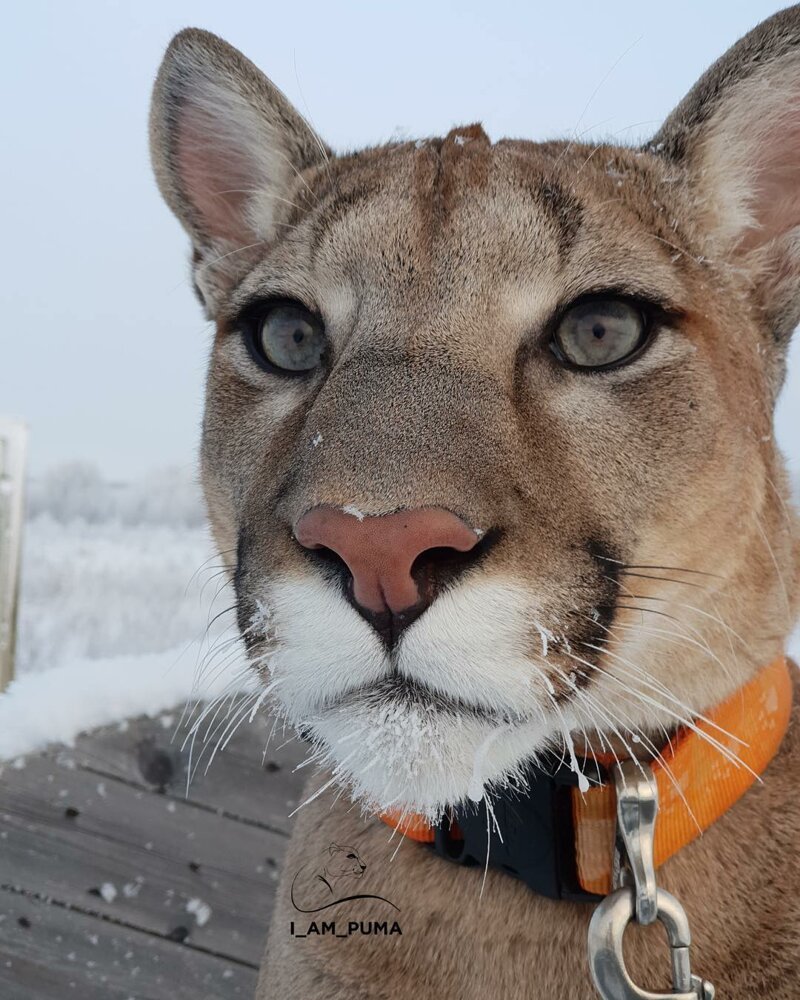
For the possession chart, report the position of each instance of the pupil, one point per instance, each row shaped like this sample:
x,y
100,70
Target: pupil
x,y
599,331
297,336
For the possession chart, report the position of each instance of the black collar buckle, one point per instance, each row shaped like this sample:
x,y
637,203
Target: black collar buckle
x,y
537,828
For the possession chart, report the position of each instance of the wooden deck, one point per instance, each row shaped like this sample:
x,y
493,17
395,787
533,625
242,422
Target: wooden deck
x,y
114,883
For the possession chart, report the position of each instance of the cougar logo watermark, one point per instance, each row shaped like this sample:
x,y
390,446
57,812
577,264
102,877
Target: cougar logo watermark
x,y
330,881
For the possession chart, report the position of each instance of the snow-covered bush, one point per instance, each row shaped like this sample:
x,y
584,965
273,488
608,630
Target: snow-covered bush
x,y
114,569
75,491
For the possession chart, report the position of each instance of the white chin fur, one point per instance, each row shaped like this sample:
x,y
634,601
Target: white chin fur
x,y
408,758
469,645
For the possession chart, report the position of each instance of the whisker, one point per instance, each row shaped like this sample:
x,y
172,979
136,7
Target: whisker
x,y
679,637
688,723
787,516
243,713
202,268
314,134
199,569
778,573
642,737
696,631
672,569
594,94
220,571
655,685
660,579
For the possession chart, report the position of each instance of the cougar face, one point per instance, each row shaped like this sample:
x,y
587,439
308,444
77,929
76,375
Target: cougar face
x,y
488,438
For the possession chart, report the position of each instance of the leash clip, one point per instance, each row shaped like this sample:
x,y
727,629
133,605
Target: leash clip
x,y
637,897
637,806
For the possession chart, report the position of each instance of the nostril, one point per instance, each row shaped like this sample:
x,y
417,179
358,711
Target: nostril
x,y
328,561
438,568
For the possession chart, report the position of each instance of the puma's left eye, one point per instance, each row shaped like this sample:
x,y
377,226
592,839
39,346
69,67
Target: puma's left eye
x,y
600,333
290,337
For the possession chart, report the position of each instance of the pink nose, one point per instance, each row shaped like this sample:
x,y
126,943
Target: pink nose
x,y
380,551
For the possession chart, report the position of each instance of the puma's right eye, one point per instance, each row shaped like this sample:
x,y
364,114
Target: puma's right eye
x,y
289,337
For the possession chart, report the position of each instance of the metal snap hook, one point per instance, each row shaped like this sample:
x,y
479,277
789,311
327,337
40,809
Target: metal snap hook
x,y
606,963
636,897
637,806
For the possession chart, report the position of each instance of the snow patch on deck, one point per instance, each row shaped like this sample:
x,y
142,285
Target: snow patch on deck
x,y
55,706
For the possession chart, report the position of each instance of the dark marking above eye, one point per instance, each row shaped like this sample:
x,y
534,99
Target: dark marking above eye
x,y
564,211
335,199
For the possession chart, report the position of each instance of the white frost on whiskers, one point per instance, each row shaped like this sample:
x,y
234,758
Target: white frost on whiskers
x,y
477,784
546,636
415,759
353,511
261,619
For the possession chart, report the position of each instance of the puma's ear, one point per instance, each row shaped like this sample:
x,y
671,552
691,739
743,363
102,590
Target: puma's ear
x,y
227,148
334,849
737,133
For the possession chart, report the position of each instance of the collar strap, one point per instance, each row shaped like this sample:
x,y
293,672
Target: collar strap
x,y
560,840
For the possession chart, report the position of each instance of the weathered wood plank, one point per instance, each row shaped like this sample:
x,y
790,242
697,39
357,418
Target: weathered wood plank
x,y
242,781
65,834
52,953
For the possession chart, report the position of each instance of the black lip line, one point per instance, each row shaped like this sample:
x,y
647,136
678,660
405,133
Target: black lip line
x,y
409,691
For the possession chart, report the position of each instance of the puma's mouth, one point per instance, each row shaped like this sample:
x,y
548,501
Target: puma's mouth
x,y
406,692
470,694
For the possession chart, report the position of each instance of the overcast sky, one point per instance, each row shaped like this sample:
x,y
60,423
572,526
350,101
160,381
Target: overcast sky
x,y
102,344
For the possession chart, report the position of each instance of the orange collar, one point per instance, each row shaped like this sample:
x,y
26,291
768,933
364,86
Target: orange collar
x,y
697,781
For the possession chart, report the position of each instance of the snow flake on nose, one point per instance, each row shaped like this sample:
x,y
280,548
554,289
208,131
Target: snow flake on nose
x,y
353,511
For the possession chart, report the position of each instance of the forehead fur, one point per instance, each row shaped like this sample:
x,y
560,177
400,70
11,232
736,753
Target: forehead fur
x,y
437,207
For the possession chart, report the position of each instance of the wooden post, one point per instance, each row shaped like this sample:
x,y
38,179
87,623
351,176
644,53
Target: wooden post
x,y
13,446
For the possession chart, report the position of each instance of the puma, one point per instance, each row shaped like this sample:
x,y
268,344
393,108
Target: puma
x,y
488,452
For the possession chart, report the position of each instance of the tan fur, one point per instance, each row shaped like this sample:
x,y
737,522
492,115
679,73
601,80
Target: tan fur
x,y
437,268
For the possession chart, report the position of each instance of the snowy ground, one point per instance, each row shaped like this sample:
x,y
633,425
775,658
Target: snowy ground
x,y
119,585
103,590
